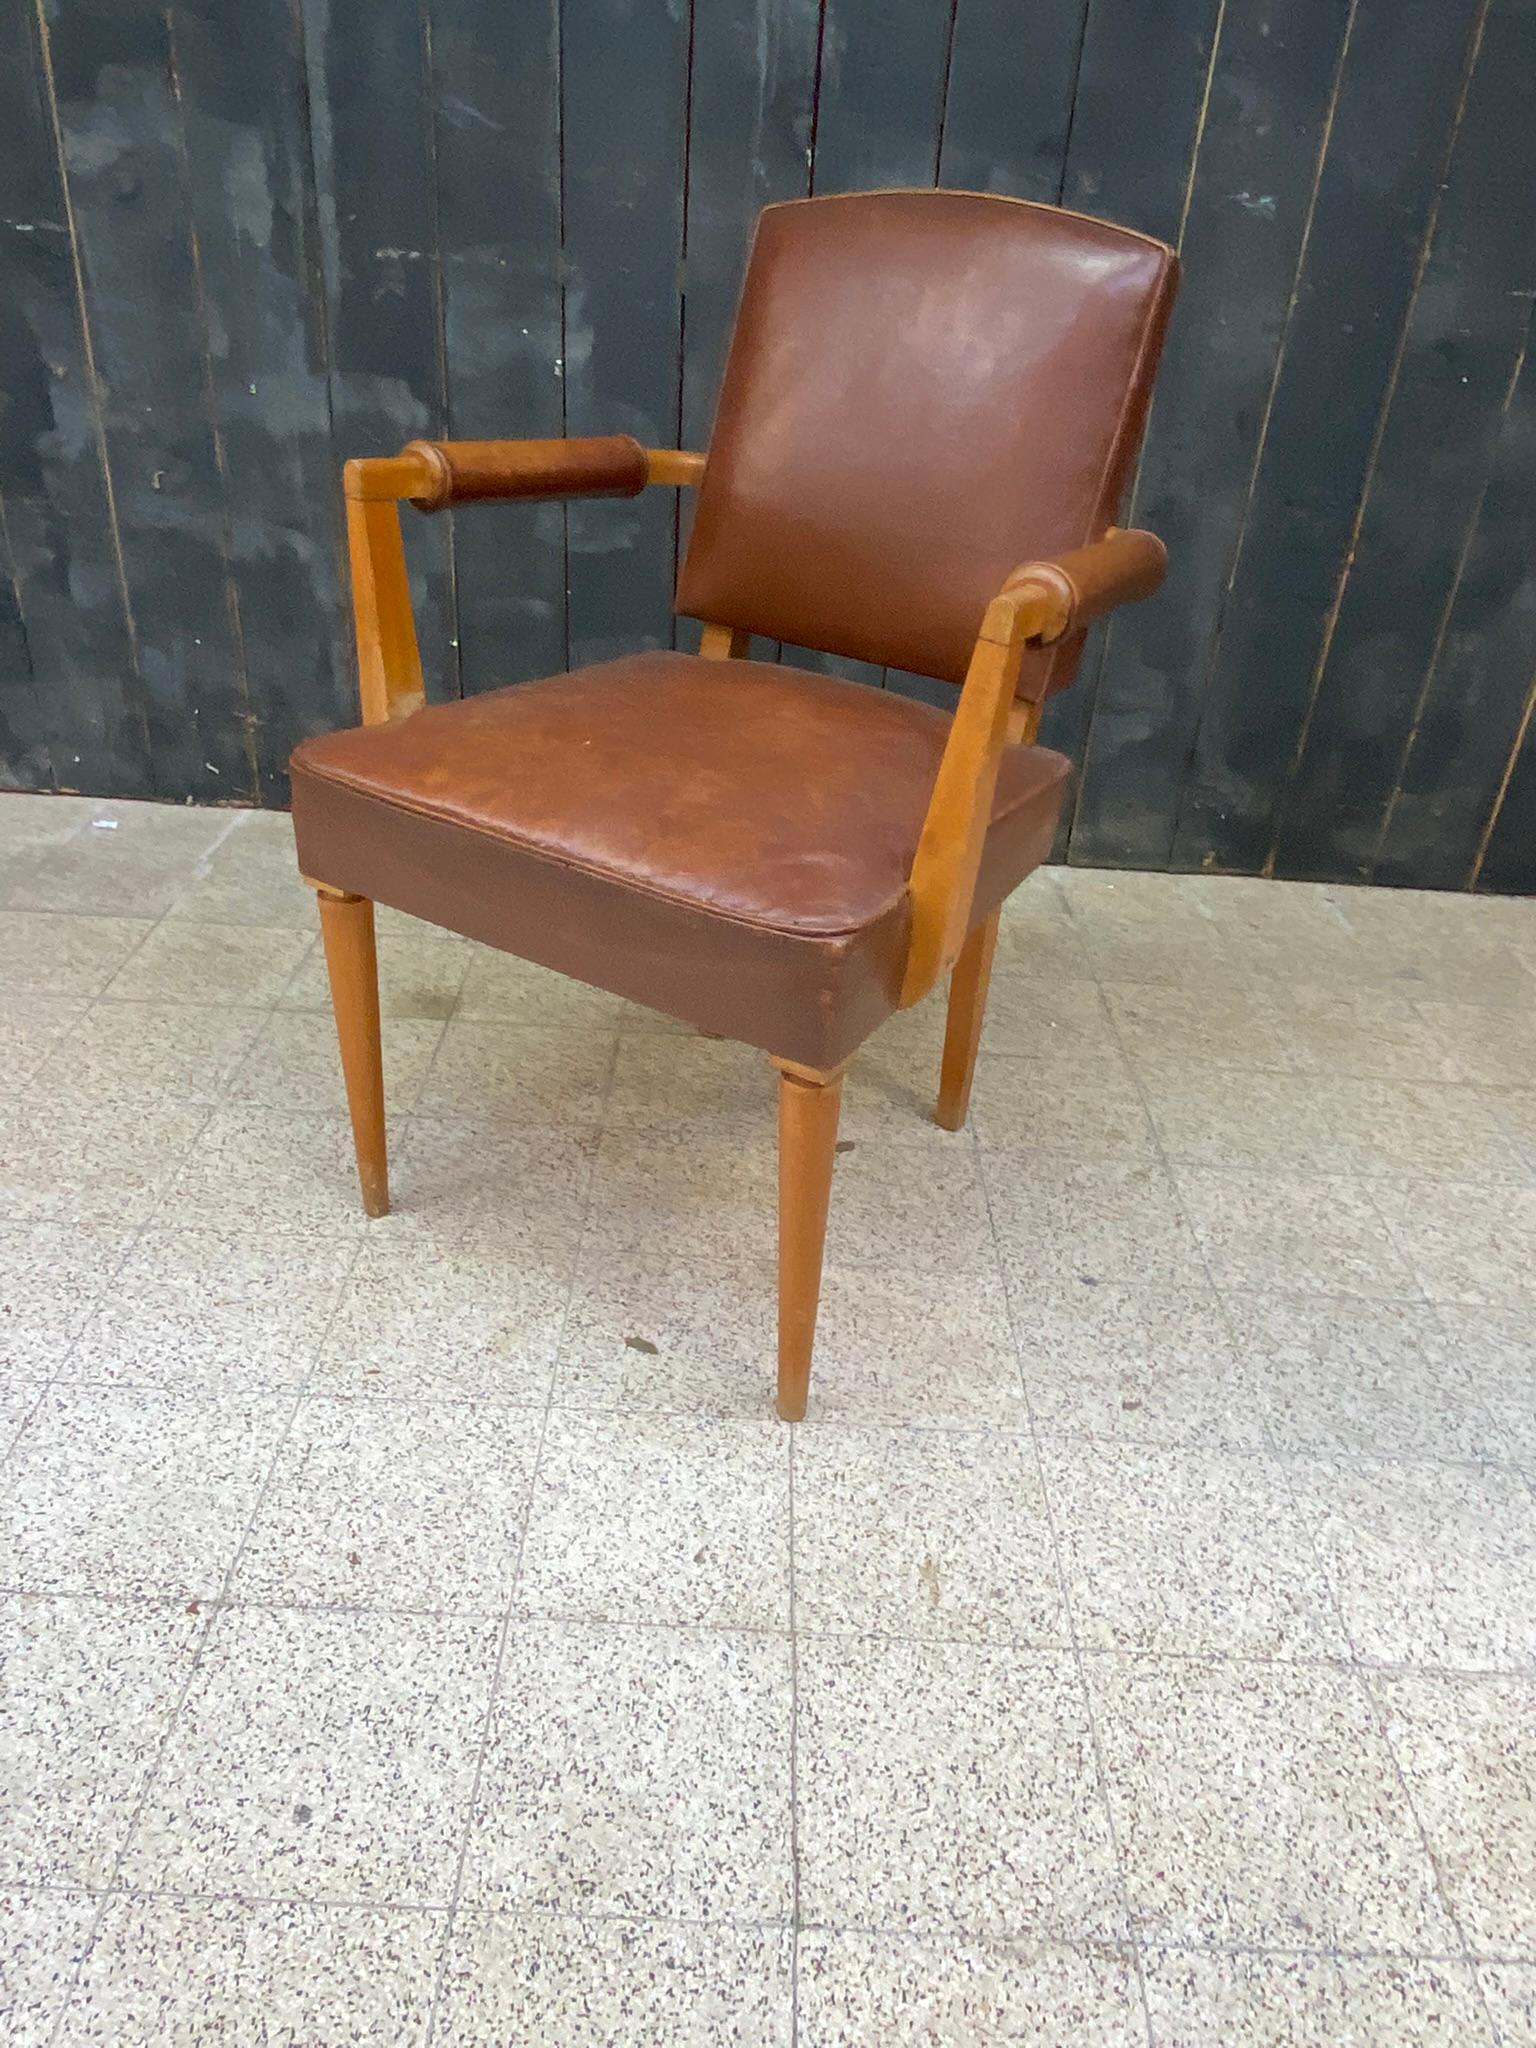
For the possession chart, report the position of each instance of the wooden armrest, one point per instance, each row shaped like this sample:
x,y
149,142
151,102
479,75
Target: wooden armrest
x,y
674,466
432,474
461,472
1077,587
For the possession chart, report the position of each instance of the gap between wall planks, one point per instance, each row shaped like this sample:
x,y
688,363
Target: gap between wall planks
x,y
221,272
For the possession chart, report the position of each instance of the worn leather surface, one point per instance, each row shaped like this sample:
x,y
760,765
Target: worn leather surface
x,y
599,466
726,841
924,390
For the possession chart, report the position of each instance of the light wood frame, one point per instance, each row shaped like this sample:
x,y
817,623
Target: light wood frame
x,y
1038,605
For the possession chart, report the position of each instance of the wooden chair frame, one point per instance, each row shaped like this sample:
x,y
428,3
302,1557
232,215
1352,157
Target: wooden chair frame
x,y
1038,605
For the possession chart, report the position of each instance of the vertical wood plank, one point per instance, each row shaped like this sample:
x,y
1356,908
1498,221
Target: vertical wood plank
x,y
126,169
26,729
1470,723
1464,339
1142,84
26,760
496,104
239,81
1504,861
1249,206
370,132
79,723
1397,96
754,91
1008,108
880,101
625,72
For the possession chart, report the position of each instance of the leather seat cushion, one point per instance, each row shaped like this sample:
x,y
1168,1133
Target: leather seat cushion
x,y
727,842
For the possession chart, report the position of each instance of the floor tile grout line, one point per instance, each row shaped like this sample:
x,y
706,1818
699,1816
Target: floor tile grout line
x,y
426,1908
451,1906
12,1440
510,1616
1085,1694
1326,1579
1182,1207
1452,1957
79,833
1305,1527
875,1424
152,1207
1026,1939
210,1613
126,1003
1364,1681
1017,1644
1409,1263
1292,1454
316,944
1361,1676
1063,1593
134,1238
1195,1238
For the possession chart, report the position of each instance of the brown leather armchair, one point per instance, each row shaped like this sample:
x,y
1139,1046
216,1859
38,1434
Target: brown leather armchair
x,y
924,390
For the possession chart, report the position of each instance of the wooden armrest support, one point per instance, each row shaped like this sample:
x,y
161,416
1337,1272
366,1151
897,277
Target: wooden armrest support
x,y
1040,603
431,474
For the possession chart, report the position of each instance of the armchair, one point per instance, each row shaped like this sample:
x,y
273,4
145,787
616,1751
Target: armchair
x,y
922,388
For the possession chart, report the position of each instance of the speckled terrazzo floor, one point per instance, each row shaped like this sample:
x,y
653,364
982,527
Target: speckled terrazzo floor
x,y
422,1631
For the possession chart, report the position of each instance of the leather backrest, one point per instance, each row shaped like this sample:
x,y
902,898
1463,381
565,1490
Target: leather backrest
x,y
924,390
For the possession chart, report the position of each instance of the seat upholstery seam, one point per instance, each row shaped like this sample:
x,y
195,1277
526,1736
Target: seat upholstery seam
x,y
620,879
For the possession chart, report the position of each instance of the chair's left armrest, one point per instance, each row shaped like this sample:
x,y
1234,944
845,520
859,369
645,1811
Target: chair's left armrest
x,y
433,474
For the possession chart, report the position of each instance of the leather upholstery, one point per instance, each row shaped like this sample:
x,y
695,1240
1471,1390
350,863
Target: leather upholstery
x,y
924,390
727,842
601,466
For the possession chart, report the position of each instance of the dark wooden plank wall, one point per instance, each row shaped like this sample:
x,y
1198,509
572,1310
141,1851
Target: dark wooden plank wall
x,y
238,244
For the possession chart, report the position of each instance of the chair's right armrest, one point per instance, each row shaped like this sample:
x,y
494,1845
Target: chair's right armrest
x,y
1080,585
1040,604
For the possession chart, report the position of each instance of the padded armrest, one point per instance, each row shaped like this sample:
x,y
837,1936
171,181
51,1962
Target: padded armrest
x,y
457,472
1123,567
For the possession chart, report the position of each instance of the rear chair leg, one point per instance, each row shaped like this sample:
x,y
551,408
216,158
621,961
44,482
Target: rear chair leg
x,y
808,1105
346,926
968,984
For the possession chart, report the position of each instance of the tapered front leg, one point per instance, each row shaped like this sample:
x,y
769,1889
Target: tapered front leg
x,y
346,926
968,984
808,1109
